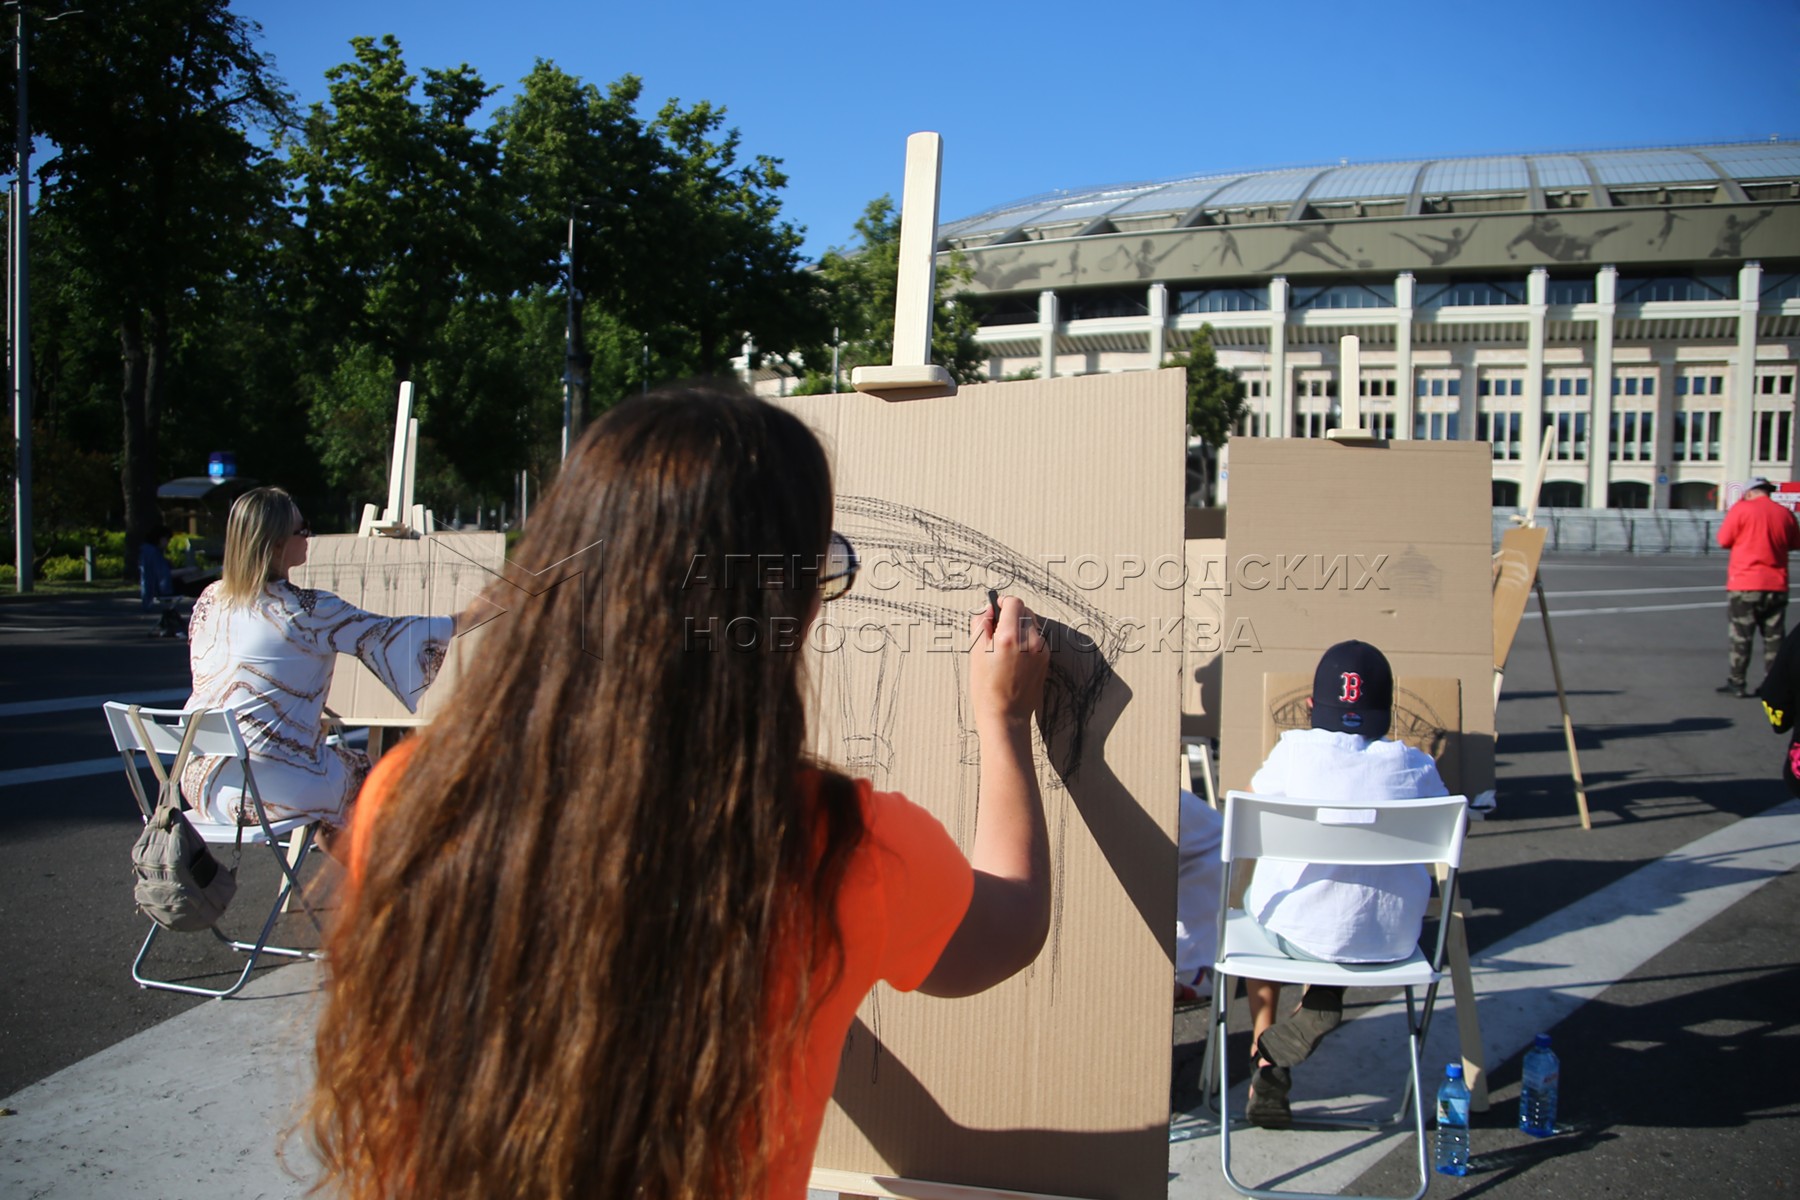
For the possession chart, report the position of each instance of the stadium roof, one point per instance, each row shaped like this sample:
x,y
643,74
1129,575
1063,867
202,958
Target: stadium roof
x,y
1724,173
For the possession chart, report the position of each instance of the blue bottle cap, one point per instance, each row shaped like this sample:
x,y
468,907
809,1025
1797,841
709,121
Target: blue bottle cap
x,y
1453,1071
1543,1041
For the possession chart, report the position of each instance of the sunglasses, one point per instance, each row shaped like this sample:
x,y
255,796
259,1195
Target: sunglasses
x,y
841,565
304,531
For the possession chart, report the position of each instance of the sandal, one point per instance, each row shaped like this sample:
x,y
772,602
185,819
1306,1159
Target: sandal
x,y
1267,1107
1291,1042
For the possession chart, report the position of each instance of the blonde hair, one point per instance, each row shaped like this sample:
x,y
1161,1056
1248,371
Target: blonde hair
x,y
261,522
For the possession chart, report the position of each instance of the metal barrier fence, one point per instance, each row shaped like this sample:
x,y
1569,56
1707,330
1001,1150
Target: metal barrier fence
x,y
1623,530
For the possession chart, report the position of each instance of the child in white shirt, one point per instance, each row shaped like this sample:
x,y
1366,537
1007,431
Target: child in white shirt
x,y
1348,914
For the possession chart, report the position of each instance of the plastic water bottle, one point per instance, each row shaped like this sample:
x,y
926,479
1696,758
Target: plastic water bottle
x,y
1537,1099
1453,1123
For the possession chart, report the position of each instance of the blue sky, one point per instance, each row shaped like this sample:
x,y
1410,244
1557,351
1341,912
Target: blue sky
x,y
1031,98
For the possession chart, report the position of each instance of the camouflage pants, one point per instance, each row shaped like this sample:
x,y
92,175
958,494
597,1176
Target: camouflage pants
x,y
1750,612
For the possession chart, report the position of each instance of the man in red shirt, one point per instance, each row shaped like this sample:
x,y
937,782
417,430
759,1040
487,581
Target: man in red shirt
x,y
1760,535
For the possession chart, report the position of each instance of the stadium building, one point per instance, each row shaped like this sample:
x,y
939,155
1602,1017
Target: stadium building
x,y
1642,304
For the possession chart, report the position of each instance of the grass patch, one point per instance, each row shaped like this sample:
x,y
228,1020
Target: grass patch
x,y
43,588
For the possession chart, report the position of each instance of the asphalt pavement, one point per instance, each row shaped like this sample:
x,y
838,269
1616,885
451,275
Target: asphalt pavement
x,y
1657,948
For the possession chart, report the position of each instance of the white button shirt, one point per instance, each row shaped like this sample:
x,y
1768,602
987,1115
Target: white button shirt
x,y
1343,914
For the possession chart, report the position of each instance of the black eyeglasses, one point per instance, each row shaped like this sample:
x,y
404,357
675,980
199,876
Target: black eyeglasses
x,y
841,565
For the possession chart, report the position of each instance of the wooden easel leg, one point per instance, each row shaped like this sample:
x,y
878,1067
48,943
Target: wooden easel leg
x,y
1468,1023
1462,987
1562,700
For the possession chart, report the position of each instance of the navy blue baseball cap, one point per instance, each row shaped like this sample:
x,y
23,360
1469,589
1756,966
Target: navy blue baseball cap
x,y
1353,690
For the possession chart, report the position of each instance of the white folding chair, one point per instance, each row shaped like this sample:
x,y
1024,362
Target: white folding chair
x,y
1386,833
155,733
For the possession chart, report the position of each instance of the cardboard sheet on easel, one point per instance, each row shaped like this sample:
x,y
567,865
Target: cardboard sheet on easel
x,y
1427,716
436,575
1389,543
1060,492
1515,569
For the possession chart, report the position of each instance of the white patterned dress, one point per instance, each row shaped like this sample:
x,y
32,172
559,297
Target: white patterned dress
x,y
272,661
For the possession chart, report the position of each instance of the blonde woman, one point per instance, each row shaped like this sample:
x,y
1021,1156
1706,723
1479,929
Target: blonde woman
x,y
266,648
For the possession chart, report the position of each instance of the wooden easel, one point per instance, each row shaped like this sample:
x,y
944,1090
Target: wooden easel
x,y
1513,566
913,376
401,517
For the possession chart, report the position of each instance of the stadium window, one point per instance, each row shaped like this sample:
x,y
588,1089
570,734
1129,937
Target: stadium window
x,y
1700,382
1344,295
1696,435
1434,426
1570,291
1774,436
1688,288
1571,430
1092,305
1314,423
1779,288
1501,431
1563,493
1461,293
1775,383
1633,436
1222,299
1495,387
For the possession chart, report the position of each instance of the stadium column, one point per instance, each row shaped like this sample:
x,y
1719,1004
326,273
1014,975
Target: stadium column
x,y
1665,429
1537,286
1403,329
1159,322
1606,288
1740,413
1281,403
1047,339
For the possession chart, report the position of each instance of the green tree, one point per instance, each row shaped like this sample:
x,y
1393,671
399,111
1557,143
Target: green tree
x,y
400,211
159,192
681,253
575,155
863,281
403,222
1215,395
730,268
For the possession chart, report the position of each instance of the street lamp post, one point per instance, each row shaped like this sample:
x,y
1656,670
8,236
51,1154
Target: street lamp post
x,y
568,426
575,359
20,331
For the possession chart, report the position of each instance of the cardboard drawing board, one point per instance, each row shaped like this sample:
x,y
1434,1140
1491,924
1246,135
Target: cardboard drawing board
x,y
436,575
1515,569
1062,492
1388,543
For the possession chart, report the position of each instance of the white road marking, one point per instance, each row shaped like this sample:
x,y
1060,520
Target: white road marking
x,y
1560,613
1654,591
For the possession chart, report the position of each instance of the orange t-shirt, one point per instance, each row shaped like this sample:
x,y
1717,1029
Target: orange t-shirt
x,y
903,895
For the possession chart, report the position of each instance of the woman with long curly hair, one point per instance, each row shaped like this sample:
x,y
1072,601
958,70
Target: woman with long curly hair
x,y
607,924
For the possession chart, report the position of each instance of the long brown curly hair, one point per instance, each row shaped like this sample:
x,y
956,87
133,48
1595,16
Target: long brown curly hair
x,y
554,976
